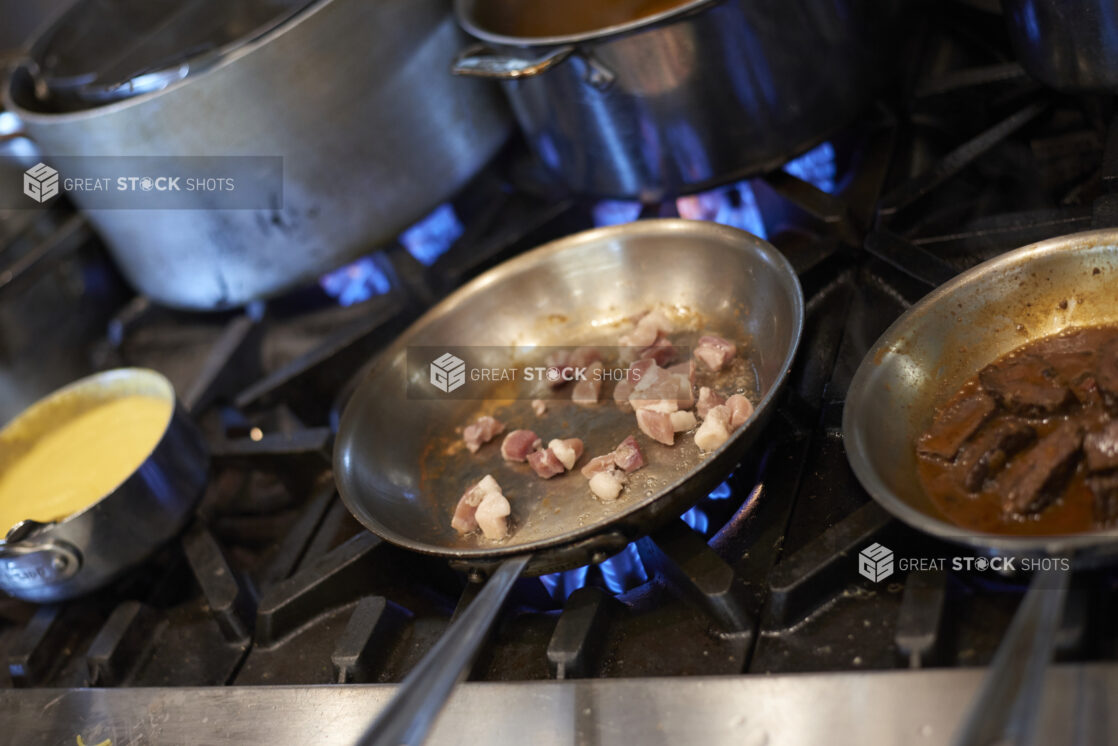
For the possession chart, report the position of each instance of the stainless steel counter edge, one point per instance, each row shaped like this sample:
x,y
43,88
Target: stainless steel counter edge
x,y
893,707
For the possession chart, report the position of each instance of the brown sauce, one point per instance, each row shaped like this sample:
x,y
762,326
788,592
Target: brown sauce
x,y
1060,478
561,18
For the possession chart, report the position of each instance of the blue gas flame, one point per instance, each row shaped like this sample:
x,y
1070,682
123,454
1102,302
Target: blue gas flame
x,y
696,519
562,584
615,211
356,282
817,166
432,236
734,204
427,240
721,492
625,571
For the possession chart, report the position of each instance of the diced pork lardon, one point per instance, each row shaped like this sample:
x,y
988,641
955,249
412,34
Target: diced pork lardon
x,y
740,410
519,444
686,369
588,389
638,368
707,398
714,351
648,328
481,432
566,363
657,395
539,407
657,384
667,406
483,506
464,520
559,456
567,450
545,463
608,473
627,456
683,420
721,421
621,393
715,429
607,484
662,351
656,424
624,388
493,516
597,464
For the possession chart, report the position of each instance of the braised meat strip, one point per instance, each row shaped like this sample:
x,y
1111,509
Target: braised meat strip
x,y
955,424
1107,375
1026,385
1030,444
986,455
1029,484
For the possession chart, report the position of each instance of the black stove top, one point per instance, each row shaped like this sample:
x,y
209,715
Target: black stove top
x,y
275,583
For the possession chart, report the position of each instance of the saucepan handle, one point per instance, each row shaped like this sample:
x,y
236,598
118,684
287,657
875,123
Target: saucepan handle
x,y
1009,700
421,696
28,563
481,61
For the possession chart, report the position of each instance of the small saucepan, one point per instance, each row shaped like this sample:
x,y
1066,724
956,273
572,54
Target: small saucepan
x,y
127,466
918,363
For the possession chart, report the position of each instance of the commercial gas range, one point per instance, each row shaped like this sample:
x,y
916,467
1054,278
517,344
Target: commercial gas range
x,y
747,621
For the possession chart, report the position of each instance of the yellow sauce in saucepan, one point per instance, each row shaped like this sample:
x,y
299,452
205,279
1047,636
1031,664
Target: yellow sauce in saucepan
x,y
82,458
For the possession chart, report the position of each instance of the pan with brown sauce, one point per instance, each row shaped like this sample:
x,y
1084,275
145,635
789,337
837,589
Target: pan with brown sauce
x,y
1030,444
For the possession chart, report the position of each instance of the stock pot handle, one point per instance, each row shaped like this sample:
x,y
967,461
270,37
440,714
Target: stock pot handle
x,y
482,61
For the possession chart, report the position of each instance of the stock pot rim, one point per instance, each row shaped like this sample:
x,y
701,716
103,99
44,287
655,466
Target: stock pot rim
x,y
8,83
463,12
